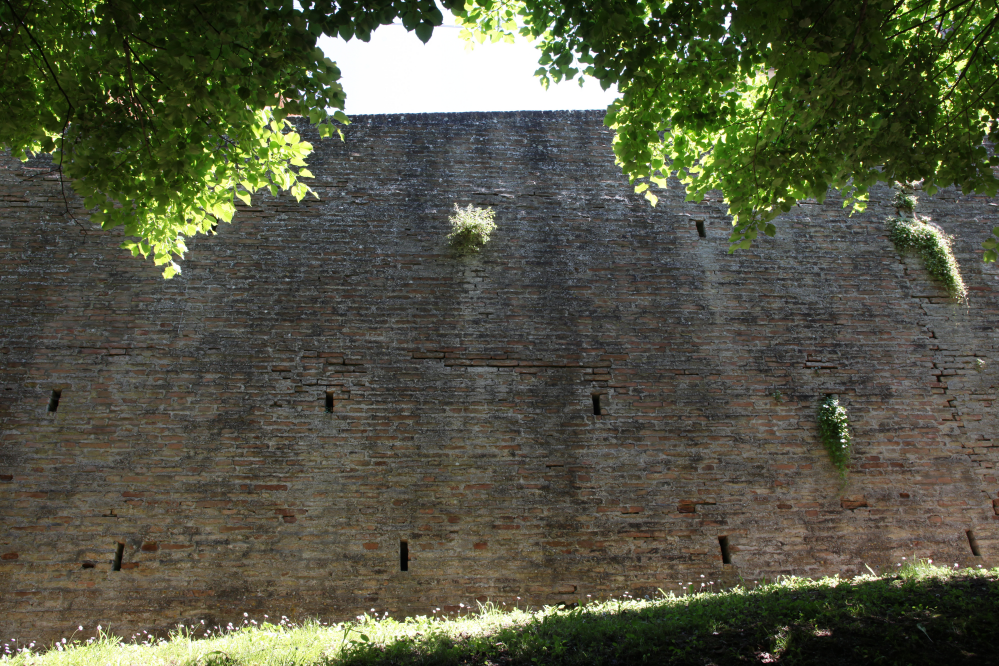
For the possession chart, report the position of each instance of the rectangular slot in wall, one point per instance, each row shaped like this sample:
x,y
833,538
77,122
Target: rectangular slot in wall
x,y
596,404
119,550
973,542
330,401
700,229
403,556
54,399
726,553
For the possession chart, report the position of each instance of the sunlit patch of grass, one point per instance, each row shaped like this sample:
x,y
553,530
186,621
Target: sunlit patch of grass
x,y
918,613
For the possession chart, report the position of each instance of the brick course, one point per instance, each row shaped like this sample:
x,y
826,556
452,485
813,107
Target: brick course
x,y
192,423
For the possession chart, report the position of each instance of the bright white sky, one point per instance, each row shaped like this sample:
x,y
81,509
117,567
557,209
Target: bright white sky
x,y
396,73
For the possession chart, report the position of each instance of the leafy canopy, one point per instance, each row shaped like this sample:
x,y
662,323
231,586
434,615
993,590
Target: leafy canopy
x,y
775,101
161,113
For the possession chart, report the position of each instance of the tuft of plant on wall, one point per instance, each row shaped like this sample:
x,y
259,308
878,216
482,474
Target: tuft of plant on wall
x,y
834,431
934,247
470,228
904,200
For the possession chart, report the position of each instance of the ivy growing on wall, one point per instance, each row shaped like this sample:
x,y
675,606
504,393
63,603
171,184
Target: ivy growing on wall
x,y
834,431
934,247
470,229
904,200
909,233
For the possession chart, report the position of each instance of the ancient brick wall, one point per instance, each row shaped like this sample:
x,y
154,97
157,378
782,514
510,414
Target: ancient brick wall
x,y
192,424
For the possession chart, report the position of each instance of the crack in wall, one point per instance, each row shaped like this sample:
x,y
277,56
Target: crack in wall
x,y
958,401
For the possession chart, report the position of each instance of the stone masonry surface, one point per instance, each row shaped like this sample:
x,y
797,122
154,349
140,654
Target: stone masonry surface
x,y
325,381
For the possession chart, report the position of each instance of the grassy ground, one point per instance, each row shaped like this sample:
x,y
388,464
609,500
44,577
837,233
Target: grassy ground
x,y
922,614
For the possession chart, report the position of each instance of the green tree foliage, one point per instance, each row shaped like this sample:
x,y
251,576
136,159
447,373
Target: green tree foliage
x,y
992,246
775,101
162,113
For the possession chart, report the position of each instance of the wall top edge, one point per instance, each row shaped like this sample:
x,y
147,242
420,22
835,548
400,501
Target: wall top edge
x,y
452,116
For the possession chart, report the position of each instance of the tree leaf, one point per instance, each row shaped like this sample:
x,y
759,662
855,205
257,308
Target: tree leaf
x,y
424,31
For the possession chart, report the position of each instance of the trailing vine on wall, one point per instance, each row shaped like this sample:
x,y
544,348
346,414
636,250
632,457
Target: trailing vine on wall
x,y
834,431
470,229
904,200
908,233
934,247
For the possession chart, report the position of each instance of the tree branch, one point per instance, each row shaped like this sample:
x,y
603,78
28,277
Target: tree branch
x,y
932,18
985,34
41,51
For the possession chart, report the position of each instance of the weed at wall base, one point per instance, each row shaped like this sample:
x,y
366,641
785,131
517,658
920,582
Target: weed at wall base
x,y
914,613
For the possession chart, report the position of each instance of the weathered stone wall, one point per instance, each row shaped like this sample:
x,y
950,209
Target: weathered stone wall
x,y
192,427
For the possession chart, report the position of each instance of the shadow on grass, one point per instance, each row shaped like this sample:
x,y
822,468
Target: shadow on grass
x,y
912,620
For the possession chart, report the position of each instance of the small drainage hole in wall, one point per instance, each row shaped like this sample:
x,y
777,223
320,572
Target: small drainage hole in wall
x,y
119,550
330,402
596,405
726,553
973,542
700,229
403,556
54,399
88,565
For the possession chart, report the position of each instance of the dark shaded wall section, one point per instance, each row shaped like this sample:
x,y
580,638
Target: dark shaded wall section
x,y
192,424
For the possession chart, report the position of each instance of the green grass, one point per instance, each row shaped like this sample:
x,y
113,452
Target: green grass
x,y
918,614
